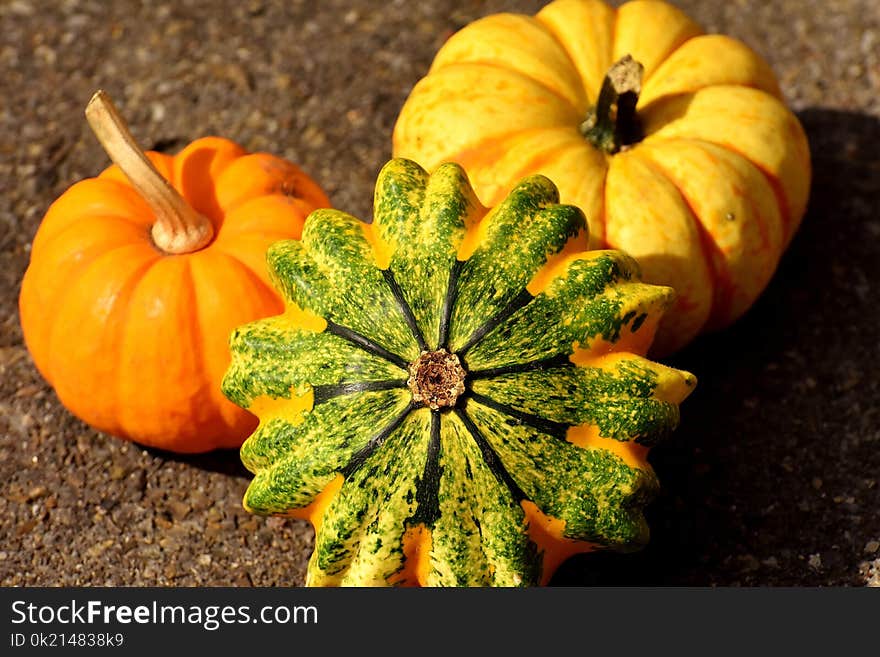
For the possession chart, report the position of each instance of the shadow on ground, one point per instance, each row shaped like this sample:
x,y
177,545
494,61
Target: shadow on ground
x,y
222,461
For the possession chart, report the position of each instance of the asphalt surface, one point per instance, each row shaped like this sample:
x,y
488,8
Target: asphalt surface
x,y
773,478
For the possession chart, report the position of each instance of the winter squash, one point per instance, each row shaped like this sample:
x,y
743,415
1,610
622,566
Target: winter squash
x,y
454,396
676,144
137,277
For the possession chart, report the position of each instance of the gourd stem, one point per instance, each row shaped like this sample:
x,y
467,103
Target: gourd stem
x,y
178,228
613,124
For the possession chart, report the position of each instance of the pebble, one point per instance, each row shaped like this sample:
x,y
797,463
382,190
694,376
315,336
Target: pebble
x,y
179,509
36,493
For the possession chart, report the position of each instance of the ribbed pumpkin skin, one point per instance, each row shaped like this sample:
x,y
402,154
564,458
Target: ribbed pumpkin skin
x,y
135,341
542,456
706,203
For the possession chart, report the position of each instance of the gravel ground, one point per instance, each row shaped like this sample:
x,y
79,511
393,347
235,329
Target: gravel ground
x,y
772,478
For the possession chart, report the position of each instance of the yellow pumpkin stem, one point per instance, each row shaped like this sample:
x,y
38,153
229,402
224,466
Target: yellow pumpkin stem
x,y
612,124
178,228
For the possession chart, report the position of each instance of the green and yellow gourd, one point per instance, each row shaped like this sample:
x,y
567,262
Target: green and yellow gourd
x,y
454,396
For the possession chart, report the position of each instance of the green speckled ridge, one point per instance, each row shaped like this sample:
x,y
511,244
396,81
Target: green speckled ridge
x,y
360,542
523,231
597,495
596,297
480,537
293,462
334,405
622,401
332,272
424,250
271,357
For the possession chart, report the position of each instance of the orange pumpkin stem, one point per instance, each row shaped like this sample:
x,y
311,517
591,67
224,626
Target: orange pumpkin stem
x,y
613,124
178,228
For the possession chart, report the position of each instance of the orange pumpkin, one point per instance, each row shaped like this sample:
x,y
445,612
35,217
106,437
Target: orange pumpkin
x,y
138,276
677,145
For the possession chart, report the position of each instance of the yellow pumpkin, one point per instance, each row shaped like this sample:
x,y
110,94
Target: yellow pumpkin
x,y
676,144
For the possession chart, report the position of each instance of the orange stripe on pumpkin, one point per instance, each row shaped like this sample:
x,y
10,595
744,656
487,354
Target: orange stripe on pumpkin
x,y
292,409
417,567
382,251
304,319
558,263
547,533
314,512
631,453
